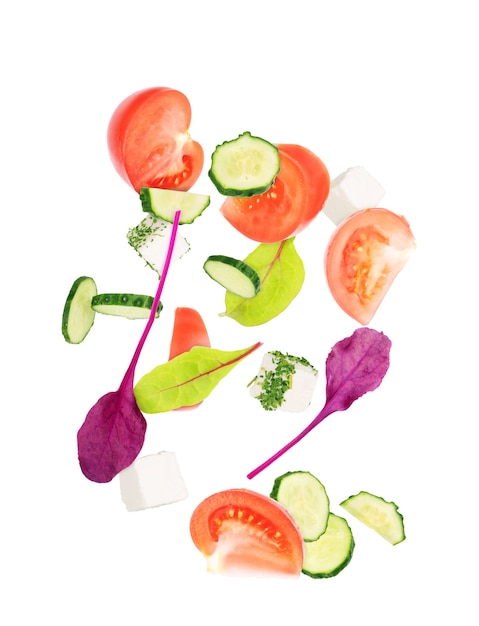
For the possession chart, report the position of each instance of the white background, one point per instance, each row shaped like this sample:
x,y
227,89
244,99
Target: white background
x,y
390,86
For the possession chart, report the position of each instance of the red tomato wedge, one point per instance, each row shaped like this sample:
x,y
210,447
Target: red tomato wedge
x,y
148,140
189,330
296,196
244,533
365,254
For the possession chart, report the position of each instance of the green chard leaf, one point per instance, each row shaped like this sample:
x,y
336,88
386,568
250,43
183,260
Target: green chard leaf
x,y
187,379
281,271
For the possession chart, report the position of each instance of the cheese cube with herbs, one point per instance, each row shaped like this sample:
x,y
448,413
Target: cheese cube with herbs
x,y
152,480
151,238
284,382
352,191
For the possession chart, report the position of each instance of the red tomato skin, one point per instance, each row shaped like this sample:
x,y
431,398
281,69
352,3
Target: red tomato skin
x,y
317,180
148,140
364,255
237,530
189,330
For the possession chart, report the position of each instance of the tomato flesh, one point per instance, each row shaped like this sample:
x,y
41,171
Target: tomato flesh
x,y
148,140
241,532
365,254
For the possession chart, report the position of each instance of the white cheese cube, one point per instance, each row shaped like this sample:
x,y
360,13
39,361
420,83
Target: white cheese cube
x,y
353,190
284,382
151,238
151,481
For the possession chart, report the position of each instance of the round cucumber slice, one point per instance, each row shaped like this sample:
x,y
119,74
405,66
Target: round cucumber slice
x,y
236,276
305,497
78,316
129,305
245,166
164,203
377,514
330,554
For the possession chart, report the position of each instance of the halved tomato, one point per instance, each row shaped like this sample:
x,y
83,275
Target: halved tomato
x,y
365,254
241,533
296,196
148,140
189,330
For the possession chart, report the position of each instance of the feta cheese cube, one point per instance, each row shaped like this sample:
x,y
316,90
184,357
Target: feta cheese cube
x,y
284,382
353,190
152,481
151,238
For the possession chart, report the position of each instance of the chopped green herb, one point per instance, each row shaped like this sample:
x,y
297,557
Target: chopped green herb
x,y
146,231
150,240
276,382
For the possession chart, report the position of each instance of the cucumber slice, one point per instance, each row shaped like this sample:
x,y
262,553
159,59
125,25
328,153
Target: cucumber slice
x,y
78,316
305,497
129,305
376,513
234,275
245,166
330,554
165,202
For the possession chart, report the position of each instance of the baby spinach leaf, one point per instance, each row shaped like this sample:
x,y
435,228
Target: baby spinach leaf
x,y
281,271
187,379
354,366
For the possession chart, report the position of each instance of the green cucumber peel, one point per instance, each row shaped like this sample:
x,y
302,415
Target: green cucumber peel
x,y
281,272
188,379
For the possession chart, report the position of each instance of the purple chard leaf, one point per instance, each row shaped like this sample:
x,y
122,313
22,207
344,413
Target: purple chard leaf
x,y
112,435
354,366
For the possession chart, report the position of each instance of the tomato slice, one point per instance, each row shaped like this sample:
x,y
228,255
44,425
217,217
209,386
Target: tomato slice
x,y
189,330
365,254
241,532
148,140
317,180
